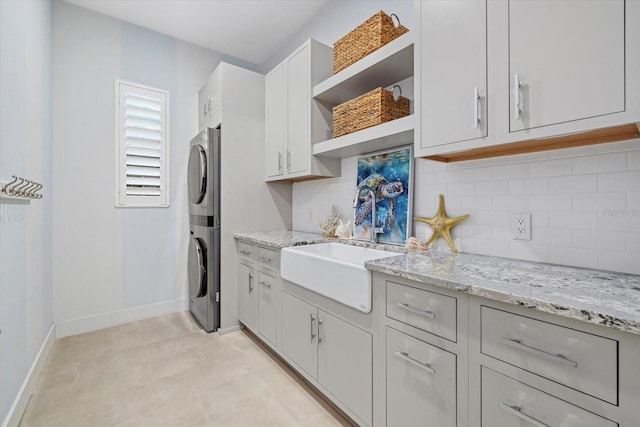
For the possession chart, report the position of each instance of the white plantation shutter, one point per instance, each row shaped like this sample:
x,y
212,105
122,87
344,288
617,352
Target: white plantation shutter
x,y
142,123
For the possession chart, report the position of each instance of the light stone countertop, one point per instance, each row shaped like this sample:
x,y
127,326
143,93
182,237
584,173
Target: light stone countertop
x,y
280,239
601,297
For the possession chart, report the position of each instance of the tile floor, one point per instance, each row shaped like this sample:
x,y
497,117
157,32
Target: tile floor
x,y
167,372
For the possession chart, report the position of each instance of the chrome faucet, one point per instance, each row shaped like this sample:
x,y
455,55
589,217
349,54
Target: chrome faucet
x,y
374,230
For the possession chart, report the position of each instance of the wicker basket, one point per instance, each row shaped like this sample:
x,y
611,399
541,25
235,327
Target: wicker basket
x,y
371,35
372,108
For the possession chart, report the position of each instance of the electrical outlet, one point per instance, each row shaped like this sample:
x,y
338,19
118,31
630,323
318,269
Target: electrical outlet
x,y
521,225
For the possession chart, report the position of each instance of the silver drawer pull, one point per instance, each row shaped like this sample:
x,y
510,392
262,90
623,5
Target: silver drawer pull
x,y
265,259
516,410
245,252
423,313
515,343
405,356
268,285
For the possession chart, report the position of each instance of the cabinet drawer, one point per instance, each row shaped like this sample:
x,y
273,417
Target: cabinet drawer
x,y
421,383
582,361
429,311
268,258
507,402
247,251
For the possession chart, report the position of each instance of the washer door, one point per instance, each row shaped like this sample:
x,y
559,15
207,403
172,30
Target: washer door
x,y
197,268
197,174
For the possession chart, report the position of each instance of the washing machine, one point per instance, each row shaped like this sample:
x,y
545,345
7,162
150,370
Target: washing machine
x,y
204,174
204,273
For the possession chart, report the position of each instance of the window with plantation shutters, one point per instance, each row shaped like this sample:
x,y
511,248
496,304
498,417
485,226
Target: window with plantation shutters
x,y
142,134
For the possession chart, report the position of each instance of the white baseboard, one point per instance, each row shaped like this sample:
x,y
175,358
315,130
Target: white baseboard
x,y
230,329
29,385
119,317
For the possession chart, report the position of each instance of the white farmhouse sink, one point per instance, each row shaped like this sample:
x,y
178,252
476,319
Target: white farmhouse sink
x,y
332,269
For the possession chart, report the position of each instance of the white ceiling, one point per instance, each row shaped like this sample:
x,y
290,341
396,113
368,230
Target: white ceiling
x,y
251,30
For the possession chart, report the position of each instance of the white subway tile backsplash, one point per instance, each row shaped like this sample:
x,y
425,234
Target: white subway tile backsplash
x,y
528,251
599,201
608,240
550,202
475,174
573,220
633,160
615,162
625,262
585,204
555,167
492,188
573,184
510,171
573,256
621,181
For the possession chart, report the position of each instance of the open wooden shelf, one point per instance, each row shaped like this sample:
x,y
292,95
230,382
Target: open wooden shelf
x,y
597,136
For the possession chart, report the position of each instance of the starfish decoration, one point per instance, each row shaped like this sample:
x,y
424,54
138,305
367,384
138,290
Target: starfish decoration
x,y
441,225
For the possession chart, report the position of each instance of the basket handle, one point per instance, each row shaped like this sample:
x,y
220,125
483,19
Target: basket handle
x,y
393,91
392,15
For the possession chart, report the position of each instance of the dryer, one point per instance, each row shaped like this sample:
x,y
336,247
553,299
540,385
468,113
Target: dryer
x,y
204,273
204,174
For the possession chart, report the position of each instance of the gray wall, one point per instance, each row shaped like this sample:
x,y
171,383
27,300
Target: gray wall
x,y
25,230
116,263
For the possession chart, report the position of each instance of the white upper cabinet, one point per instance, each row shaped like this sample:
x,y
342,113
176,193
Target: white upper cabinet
x,y
453,76
293,119
275,121
566,61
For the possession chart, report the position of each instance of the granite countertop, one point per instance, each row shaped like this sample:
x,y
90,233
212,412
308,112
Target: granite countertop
x,y
604,298
280,239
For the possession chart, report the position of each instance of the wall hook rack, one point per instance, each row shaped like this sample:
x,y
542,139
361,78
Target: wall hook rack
x,y
20,189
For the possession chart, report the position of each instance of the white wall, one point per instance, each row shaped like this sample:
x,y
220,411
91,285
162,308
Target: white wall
x,y
114,265
336,19
585,204
25,230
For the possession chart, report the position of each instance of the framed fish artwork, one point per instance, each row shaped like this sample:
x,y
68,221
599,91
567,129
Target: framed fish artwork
x,y
386,179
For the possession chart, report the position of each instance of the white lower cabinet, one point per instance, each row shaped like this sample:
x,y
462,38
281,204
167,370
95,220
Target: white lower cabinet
x,y
268,306
335,353
421,383
247,295
507,402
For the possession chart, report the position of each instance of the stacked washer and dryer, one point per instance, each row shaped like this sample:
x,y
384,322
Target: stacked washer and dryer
x,y
227,191
204,220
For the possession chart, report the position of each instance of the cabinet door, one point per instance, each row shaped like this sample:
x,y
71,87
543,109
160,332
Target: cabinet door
x,y
345,363
453,52
421,383
568,57
247,295
275,121
299,332
267,306
299,111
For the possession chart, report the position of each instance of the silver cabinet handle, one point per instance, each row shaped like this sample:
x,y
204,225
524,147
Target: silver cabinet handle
x,y
245,252
313,319
516,343
250,282
476,107
268,285
265,259
289,161
517,411
279,161
405,356
516,97
424,313
319,324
